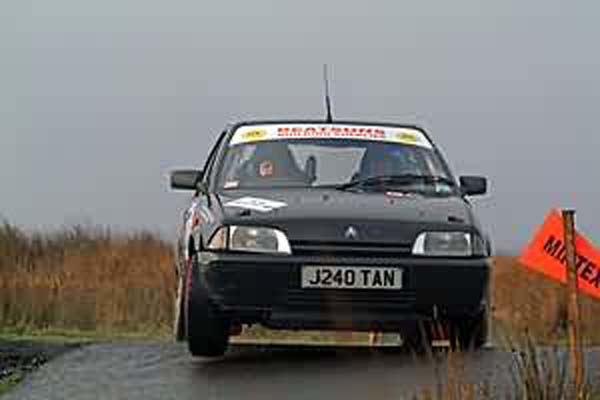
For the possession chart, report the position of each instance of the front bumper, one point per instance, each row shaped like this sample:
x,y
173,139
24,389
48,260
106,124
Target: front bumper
x,y
266,289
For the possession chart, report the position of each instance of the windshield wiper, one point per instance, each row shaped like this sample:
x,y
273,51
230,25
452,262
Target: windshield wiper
x,y
396,180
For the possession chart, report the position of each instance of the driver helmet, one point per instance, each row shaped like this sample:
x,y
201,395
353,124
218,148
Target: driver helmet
x,y
388,159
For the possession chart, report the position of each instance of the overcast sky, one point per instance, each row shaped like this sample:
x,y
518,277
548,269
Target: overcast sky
x,y
99,99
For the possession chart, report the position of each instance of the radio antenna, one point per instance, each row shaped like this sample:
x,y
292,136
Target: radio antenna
x,y
329,117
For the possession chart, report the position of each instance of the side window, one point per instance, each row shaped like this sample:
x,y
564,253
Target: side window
x,y
236,158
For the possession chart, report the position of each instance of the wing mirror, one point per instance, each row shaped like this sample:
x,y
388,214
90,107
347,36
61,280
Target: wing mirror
x,y
310,168
473,185
187,179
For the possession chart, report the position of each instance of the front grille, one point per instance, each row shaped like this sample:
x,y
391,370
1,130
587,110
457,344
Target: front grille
x,y
349,249
350,298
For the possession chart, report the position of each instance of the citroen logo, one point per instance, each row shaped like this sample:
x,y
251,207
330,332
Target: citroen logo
x,y
351,233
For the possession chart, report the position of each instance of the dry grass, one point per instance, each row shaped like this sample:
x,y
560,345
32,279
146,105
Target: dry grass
x,y
540,373
85,278
532,305
451,381
536,373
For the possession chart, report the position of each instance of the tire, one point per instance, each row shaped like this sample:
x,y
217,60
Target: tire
x,y
207,327
208,330
471,333
417,337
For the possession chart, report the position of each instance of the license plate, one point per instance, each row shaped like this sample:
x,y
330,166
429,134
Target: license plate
x,y
334,277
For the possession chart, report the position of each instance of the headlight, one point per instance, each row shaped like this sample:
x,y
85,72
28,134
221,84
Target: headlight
x,y
250,238
448,244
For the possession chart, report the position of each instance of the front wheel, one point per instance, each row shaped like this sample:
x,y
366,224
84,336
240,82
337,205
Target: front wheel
x,y
417,337
471,333
207,327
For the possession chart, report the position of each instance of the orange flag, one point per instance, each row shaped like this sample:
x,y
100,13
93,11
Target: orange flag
x,y
546,253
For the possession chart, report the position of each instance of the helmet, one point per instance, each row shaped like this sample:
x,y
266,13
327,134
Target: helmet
x,y
388,159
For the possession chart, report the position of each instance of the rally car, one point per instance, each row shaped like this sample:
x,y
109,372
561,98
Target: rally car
x,y
329,226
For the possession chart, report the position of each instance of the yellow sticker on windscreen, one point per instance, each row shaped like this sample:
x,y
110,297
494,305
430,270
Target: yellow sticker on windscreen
x,y
253,135
406,137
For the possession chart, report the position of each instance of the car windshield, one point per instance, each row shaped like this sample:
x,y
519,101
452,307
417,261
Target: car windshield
x,y
402,159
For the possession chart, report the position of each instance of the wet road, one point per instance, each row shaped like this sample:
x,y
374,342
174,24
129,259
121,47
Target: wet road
x,y
167,371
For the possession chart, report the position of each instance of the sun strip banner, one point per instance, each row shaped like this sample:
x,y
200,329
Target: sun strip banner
x,y
546,253
270,132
